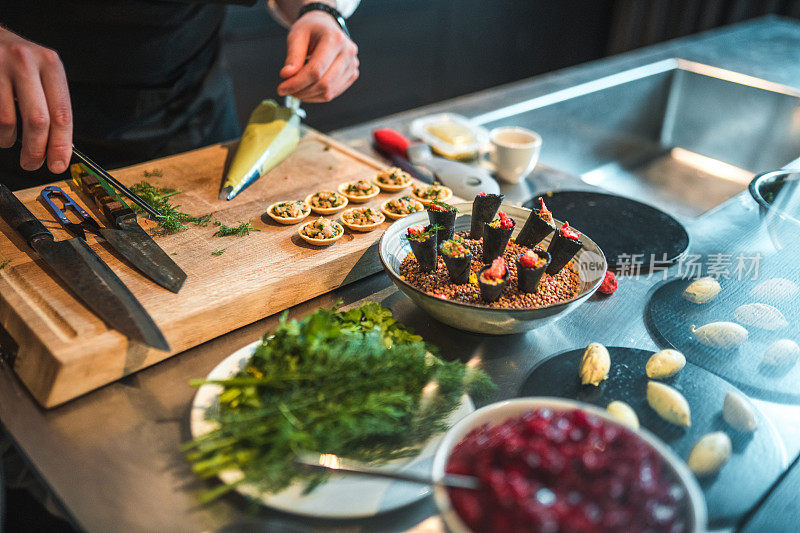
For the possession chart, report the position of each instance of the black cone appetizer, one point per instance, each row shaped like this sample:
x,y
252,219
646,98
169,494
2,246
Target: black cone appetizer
x,y
423,245
483,209
492,280
565,244
496,235
442,215
457,259
538,226
530,267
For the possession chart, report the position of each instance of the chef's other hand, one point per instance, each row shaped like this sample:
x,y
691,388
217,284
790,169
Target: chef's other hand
x,y
34,76
332,64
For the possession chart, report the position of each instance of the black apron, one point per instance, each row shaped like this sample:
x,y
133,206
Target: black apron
x,y
144,76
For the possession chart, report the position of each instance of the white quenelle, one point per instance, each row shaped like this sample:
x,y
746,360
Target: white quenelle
x,y
739,413
669,404
710,453
783,353
726,335
761,316
702,290
775,290
664,364
595,364
624,413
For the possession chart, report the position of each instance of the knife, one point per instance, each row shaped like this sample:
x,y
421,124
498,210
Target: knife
x,y
85,274
464,180
129,239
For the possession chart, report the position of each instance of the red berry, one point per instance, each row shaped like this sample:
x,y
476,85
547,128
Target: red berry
x,y
609,284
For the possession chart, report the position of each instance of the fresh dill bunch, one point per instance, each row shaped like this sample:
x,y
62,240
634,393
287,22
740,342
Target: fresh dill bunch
x,y
354,383
171,220
244,228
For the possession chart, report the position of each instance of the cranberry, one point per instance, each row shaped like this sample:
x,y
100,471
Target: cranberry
x,y
564,471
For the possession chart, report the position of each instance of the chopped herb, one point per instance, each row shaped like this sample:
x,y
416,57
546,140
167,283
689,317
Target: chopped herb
x,y
155,173
174,253
203,221
353,383
217,223
326,148
244,228
171,220
219,252
4,264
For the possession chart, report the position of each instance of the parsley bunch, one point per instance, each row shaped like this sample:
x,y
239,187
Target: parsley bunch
x,y
353,383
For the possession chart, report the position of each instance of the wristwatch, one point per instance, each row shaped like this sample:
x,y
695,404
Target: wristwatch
x,y
332,11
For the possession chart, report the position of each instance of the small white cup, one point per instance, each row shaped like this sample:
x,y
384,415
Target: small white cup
x,y
514,152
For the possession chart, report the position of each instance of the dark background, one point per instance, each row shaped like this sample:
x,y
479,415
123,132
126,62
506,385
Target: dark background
x,y
416,52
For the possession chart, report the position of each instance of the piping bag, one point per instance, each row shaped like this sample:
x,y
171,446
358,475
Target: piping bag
x,y
272,133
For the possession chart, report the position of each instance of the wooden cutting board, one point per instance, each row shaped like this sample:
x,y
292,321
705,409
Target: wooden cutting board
x,y
63,350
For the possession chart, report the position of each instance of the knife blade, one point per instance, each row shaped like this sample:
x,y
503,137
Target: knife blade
x,y
129,239
89,278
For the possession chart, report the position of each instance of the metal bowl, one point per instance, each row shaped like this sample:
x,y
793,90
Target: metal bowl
x,y
497,413
771,191
470,317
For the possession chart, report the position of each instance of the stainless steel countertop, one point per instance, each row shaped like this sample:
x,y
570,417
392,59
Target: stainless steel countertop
x,y
111,457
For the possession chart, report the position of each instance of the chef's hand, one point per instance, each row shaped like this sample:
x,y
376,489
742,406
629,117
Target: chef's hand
x,y
34,76
332,64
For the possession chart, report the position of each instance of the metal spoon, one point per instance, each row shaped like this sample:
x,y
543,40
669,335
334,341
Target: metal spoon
x,y
334,463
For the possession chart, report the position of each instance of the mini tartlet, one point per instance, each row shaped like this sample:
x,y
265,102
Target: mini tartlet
x,y
392,179
318,200
359,191
362,218
394,208
321,232
428,193
289,212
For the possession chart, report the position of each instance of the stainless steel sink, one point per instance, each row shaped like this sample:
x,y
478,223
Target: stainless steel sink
x,y
676,134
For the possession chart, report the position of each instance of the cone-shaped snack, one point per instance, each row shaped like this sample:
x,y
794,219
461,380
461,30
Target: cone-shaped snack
x,y
483,209
457,259
493,279
565,244
423,244
530,267
272,133
495,236
538,226
442,215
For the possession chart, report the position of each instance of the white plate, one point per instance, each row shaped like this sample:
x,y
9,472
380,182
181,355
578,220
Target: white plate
x,y
343,496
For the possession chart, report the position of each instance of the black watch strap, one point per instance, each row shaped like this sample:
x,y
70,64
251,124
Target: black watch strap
x,y
332,11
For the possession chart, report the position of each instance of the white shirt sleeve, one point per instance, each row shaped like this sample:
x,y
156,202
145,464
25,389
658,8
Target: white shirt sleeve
x,y
345,7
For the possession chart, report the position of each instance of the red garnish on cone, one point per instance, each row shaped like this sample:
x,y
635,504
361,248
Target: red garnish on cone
x,y
542,208
481,194
505,222
609,284
568,232
497,270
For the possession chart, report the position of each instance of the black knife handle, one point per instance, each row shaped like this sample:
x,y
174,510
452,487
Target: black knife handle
x,y
19,217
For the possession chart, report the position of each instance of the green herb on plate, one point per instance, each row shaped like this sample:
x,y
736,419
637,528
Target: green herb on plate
x,y
353,383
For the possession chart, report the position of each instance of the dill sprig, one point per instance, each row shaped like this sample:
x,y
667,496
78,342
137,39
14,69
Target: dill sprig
x,y
355,383
244,228
218,252
171,220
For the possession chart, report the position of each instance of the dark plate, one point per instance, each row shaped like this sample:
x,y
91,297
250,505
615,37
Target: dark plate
x,y
669,318
758,458
620,226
